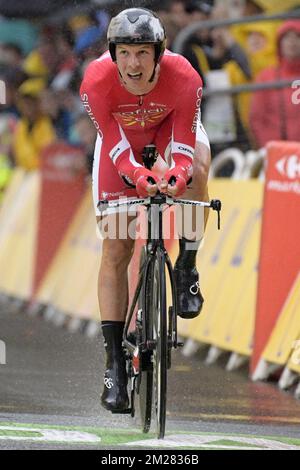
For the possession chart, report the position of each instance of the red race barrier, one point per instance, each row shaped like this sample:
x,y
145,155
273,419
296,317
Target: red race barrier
x,y
279,262
63,173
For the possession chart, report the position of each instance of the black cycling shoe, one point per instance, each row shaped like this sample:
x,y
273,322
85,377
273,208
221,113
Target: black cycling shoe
x,y
115,397
189,297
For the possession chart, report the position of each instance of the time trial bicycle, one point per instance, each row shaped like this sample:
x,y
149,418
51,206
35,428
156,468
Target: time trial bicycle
x,y
149,346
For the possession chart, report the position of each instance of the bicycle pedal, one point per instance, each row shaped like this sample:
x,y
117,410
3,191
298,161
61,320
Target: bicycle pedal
x,y
180,345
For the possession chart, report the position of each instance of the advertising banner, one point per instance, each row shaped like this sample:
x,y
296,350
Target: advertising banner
x,y
62,189
227,263
285,334
70,284
279,262
18,227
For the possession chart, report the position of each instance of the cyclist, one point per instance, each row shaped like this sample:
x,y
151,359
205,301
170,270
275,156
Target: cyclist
x,y
139,93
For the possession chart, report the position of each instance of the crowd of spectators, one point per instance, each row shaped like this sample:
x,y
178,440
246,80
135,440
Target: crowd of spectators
x,y
42,103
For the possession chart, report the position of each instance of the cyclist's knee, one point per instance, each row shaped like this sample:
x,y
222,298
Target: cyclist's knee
x,y
117,253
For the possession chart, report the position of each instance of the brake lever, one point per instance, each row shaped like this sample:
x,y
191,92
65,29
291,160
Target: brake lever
x,y
216,205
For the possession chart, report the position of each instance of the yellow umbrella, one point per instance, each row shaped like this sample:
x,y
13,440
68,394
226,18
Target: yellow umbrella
x,y
277,6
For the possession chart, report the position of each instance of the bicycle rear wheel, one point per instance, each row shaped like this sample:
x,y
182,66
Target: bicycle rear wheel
x,y
160,338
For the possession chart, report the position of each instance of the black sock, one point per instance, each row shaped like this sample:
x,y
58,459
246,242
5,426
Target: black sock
x,y
187,253
113,323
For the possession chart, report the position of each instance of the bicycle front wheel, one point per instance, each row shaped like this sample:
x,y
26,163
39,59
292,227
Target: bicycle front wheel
x,y
146,368
160,338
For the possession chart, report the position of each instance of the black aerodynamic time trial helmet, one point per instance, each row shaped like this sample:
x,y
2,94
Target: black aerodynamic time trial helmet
x,y
136,26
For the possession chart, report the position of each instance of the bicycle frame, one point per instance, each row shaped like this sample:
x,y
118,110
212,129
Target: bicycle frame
x,y
154,241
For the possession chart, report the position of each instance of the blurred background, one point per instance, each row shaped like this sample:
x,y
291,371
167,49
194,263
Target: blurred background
x,y
250,65
45,47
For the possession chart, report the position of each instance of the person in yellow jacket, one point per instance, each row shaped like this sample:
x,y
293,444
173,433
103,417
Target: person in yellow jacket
x,y
271,7
5,173
7,128
258,40
259,43
34,130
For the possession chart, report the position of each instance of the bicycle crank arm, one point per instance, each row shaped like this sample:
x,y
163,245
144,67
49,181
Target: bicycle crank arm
x,y
176,345
123,412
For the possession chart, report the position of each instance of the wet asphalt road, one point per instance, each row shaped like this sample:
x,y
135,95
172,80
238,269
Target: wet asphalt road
x,y
53,377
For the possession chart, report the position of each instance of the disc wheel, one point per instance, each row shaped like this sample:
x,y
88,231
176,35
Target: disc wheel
x,y
160,338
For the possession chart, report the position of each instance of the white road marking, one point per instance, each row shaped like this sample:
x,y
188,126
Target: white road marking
x,y
50,435
189,440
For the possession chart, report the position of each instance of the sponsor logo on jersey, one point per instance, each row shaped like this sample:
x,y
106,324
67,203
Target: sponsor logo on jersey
x,y
185,149
141,116
87,107
106,195
115,153
198,111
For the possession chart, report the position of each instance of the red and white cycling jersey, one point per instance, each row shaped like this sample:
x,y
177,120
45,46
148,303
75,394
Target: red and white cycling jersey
x,y
170,113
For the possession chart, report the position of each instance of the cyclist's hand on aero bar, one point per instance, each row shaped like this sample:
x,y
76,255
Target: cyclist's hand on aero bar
x,y
146,182
174,182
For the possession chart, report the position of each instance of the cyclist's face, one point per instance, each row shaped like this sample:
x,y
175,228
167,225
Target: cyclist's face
x,y
135,63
